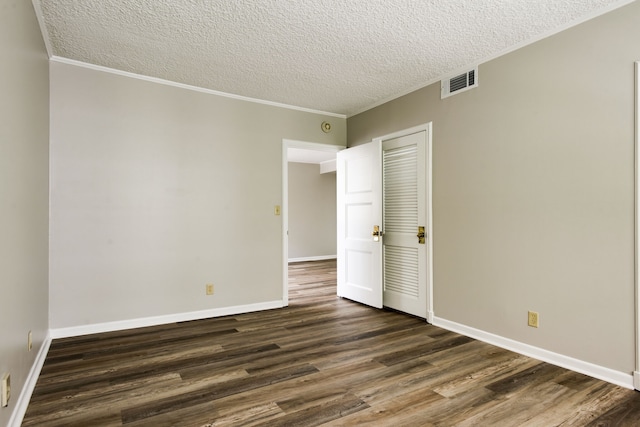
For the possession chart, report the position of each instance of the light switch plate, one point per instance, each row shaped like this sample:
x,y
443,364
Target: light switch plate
x,y
6,389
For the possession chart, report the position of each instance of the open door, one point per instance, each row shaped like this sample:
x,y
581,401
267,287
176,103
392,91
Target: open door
x,y
385,243
359,199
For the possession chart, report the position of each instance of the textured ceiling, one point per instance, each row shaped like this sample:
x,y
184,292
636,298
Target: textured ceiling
x,y
329,55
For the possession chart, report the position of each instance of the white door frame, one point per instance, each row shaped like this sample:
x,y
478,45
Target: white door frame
x,y
636,373
286,144
429,188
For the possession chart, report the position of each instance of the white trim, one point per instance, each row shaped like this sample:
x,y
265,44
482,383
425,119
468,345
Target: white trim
x,y
430,314
96,328
329,166
636,374
286,144
600,372
313,258
428,127
405,132
285,221
510,49
30,384
189,87
313,146
37,7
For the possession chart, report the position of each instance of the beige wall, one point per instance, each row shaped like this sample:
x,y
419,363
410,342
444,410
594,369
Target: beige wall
x,y
533,195
312,211
158,190
24,189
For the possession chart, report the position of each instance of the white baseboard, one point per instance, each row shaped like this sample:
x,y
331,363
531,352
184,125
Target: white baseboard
x,y
313,258
430,316
75,331
30,384
636,380
605,374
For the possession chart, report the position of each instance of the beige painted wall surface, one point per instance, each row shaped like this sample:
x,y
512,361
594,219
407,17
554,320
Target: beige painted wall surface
x,y
312,211
533,191
24,192
157,191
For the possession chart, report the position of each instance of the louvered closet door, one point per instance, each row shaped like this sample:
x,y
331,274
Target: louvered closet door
x,y
404,210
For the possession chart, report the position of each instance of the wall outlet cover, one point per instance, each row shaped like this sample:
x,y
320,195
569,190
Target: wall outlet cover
x,y
533,319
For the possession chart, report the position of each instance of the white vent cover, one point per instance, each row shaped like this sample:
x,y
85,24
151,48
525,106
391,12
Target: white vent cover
x,y
459,83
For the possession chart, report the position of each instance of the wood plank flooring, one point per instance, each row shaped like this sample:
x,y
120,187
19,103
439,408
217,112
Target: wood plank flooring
x,y
321,361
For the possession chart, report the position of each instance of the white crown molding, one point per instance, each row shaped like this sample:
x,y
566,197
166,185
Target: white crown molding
x,y
600,372
96,328
94,67
30,384
513,48
37,7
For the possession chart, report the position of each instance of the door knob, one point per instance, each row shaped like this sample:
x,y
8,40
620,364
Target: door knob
x,y
420,235
376,233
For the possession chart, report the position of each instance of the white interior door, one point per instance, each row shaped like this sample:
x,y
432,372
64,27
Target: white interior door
x,y
404,219
359,200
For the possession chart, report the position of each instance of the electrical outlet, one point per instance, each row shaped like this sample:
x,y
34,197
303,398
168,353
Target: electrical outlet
x,y
209,289
533,319
6,390
29,341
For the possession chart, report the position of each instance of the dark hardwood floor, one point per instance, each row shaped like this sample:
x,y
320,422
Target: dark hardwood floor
x,y
321,361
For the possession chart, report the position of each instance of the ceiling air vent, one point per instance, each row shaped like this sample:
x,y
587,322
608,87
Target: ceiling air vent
x,y
459,83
